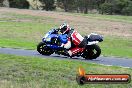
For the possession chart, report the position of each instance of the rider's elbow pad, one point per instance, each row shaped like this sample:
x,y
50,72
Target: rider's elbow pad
x,y
67,45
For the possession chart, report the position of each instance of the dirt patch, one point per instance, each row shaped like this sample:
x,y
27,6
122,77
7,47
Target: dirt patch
x,y
83,24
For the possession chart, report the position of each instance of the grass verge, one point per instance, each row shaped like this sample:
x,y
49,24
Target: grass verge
x,y
25,31
119,18
116,46
33,72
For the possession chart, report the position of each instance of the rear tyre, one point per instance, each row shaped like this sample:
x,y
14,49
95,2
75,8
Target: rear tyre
x,y
92,52
43,49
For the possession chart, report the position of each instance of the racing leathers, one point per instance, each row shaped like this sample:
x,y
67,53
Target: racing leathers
x,y
76,43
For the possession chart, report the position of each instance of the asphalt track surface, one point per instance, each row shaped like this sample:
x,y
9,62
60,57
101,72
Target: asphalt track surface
x,y
109,61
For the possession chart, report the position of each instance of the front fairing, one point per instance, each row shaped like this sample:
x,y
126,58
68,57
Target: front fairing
x,y
52,33
48,37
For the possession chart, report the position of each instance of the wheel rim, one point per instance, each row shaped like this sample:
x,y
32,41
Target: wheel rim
x,y
94,51
44,49
41,48
91,53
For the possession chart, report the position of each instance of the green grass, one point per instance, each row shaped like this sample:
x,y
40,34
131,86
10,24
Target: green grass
x,y
23,34
16,33
9,43
24,16
119,18
33,72
25,31
116,46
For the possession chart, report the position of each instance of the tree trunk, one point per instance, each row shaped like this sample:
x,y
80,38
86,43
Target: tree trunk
x,y
77,9
65,6
86,10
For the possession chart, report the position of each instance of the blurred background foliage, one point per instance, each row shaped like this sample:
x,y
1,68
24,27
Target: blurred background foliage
x,y
110,7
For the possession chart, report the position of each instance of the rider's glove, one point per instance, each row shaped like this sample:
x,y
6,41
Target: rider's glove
x,y
62,45
57,29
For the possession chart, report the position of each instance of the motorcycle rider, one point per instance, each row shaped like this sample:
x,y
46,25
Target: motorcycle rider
x,y
76,43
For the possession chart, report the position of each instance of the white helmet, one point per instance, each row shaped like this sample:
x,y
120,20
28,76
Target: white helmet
x,y
64,28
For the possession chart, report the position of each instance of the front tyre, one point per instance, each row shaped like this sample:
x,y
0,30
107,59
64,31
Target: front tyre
x,y
92,52
43,49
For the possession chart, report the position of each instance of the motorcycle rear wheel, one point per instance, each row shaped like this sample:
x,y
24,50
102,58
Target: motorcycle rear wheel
x,y
43,49
92,52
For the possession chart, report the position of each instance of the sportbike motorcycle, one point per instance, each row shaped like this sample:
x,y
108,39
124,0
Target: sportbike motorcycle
x,y
51,43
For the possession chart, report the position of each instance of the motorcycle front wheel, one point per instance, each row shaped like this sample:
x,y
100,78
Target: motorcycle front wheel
x,y
43,49
92,52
